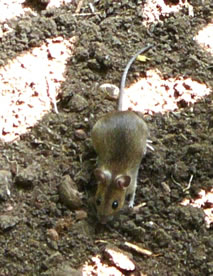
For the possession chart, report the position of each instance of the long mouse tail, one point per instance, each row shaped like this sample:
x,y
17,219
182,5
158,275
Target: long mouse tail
x,y
123,79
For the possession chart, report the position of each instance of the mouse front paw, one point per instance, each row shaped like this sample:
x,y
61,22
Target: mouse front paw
x,y
131,204
131,199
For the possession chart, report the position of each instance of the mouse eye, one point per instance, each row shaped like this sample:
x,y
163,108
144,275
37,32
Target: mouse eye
x,y
98,202
115,204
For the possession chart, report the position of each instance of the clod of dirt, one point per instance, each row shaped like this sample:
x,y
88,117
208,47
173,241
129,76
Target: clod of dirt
x,y
7,222
77,103
162,238
93,64
66,270
54,258
27,178
63,224
69,194
181,171
191,217
130,227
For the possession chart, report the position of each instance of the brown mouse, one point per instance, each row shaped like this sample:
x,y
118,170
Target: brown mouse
x,y
119,139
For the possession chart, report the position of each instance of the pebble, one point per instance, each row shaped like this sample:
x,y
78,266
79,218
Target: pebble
x,y
80,134
53,234
80,214
77,103
28,177
110,90
69,194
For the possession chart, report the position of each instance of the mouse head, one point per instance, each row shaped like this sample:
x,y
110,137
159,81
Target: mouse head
x,y
110,194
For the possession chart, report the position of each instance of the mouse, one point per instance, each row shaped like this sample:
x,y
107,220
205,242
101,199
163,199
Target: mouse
x,y
120,140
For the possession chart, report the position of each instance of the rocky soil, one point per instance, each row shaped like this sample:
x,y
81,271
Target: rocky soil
x,y
47,218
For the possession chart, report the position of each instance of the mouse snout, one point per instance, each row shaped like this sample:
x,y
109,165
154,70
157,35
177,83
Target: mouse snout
x,y
104,219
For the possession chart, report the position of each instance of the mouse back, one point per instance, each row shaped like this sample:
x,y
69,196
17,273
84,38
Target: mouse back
x,y
119,138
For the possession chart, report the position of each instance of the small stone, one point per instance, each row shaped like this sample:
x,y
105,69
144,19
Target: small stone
x,y
165,188
69,195
80,214
111,90
77,103
80,134
53,234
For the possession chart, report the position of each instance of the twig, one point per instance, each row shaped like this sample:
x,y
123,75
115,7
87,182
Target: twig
x,y
86,14
138,249
178,184
189,185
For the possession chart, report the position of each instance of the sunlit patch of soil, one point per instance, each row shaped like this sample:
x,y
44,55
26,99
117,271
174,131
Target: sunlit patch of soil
x,y
153,10
30,84
154,94
204,201
13,8
205,38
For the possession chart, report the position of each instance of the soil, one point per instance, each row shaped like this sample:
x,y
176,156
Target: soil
x,y
47,219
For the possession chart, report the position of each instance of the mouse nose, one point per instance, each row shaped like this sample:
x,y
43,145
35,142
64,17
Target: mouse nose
x,y
103,219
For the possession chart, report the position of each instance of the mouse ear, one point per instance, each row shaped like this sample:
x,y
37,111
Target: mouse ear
x,y
100,175
123,181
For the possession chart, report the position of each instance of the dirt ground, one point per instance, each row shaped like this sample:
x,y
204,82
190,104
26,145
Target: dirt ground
x,y
47,219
